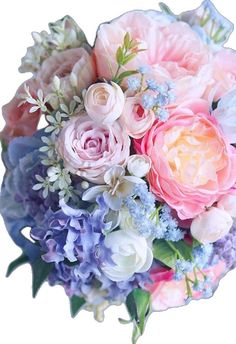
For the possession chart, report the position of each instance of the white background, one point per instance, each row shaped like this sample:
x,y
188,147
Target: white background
x,y
46,319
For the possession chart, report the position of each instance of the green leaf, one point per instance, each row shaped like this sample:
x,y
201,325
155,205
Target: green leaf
x,y
40,271
127,41
165,9
120,56
184,249
129,58
164,253
138,306
23,259
125,75
76,303
4,145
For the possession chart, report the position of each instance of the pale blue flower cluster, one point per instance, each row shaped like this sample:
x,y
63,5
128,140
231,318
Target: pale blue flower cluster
x,y
149,221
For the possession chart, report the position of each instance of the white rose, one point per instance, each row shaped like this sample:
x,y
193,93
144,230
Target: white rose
x,y
211,225
126,220
139,165
104,103
228,203
130,253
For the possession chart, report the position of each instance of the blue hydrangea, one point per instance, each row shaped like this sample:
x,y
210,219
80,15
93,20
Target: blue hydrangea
x,y
20,205
226,249
73,240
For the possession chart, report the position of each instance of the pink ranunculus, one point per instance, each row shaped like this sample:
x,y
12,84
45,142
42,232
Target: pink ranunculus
x,y
136,120
224,72
76,62
167,293
103,102
172,50
192,163
19,121
89,149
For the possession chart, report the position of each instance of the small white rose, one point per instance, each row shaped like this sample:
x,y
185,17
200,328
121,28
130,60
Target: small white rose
x,y
212,225
104,102
139,165
130,253
228,203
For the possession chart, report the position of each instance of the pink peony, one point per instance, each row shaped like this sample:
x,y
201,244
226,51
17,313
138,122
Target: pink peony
x,y
224,72
75,65
19,121
89,149
173,51
136,120
192,163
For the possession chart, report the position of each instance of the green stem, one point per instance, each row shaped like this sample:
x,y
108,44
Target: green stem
x,y
179,255
189,290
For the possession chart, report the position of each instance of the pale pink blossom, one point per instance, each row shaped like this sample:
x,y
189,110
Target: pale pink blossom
x,y
172,50
135,118
75,68
89,149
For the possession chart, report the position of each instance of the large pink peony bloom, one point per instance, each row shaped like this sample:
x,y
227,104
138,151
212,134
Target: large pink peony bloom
x,y
173,50
19,121
89,149
192,163
224,72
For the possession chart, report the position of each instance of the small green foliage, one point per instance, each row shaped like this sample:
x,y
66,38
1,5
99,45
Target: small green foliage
x,y
23,259
138,306
76,303
124,54
40,270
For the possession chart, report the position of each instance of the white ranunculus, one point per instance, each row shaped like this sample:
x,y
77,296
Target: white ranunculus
x,y
228,203
139,165
226,115
130,253
212,225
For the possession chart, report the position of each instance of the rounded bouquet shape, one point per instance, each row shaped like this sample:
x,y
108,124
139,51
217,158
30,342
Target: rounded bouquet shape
x,y
129,191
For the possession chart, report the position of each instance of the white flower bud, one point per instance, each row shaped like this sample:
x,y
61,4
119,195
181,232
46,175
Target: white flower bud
x,y
139,165
212,225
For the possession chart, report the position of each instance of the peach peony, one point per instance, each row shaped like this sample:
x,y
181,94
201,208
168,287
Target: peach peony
x,y
192,163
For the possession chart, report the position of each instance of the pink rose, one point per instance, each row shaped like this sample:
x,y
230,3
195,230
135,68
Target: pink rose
x,y
192,163
136,120
89,149
173,51
19,121
76,64
167,293
104,103
224,72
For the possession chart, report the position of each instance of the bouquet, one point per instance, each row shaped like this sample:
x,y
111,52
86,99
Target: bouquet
x,y
120,159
